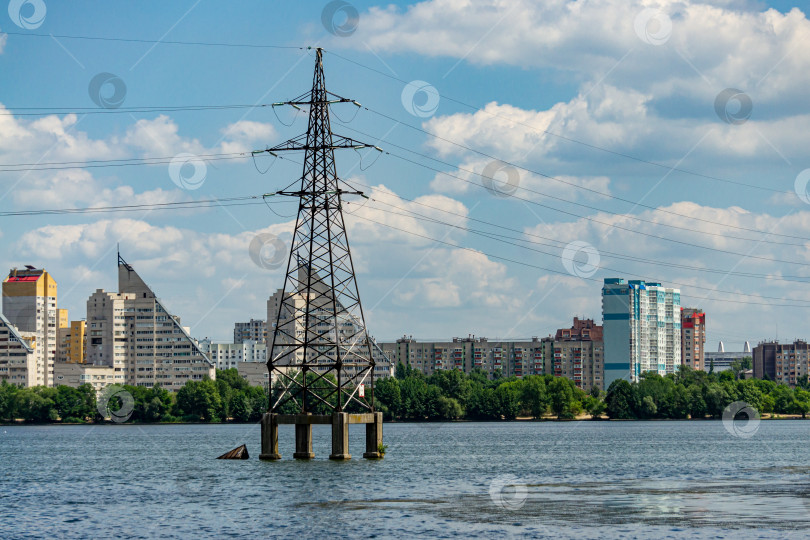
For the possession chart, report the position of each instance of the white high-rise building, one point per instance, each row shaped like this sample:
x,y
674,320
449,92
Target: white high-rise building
x,y
19,363
291,326
135,334
230,355
642,329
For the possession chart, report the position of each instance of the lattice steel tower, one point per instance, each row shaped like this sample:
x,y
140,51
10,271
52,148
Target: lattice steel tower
x,y
320,328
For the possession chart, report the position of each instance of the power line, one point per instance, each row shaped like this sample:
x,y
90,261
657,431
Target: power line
x,y
612,225
390,76
159,41
499,237
569,139
523,263
166,160
47,111
101,164
393,77
179,205
122,162
571,184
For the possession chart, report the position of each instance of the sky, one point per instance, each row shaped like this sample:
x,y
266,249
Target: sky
x,y
530,150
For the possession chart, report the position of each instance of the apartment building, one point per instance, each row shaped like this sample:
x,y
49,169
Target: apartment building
x,y
642,328
782,362
19,363
576,353
133,332
693,338
230,355
76,374
506,357
254,330
70,343
287,311
29,304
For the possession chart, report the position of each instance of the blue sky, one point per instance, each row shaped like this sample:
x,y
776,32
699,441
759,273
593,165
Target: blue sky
x,y
611,80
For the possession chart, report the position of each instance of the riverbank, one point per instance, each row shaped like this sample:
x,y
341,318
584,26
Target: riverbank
x,y
524,419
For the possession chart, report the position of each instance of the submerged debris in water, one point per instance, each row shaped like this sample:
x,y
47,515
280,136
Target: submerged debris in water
x,y
240,452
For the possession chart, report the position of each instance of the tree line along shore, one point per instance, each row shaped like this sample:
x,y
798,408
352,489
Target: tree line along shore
x,y
413,396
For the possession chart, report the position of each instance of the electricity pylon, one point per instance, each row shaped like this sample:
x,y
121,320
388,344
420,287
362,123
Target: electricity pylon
x,y
320,328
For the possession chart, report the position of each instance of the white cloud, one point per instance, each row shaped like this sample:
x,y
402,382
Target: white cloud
x,y
729,43
470,178
55,139
50,139
160,137
397,270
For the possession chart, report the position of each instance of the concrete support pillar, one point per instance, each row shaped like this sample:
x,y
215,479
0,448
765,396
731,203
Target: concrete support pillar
x,y
269,437
374,437
303,440
340,436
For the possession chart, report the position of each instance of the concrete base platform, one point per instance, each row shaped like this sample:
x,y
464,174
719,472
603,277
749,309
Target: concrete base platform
x,y
339,421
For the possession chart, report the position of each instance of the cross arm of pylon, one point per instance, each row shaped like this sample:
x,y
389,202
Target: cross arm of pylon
x,y
306,99
300,143
306,193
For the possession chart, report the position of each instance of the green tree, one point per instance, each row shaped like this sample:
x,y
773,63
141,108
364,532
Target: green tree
x,y
453,384
534,396
483,404
783,399
620,400
563,403
508,396
716,399
389,398
199,400
594,406
258,402
413,392
675,404
8,393
450,408
648,407
240,406
36,404
696,402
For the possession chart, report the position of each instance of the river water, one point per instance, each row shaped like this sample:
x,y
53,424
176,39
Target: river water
x,y
455,480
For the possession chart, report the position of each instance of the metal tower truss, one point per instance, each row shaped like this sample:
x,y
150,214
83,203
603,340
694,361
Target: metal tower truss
x,y
320,329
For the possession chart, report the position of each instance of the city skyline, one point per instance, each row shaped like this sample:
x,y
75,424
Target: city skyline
x,y
249,324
